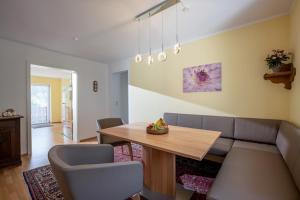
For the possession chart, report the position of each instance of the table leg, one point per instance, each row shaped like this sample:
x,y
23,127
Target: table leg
x,y
159,171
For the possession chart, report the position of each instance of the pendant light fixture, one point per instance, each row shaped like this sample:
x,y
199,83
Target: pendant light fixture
x,y
162,56
146,15
138,57
177,47
150,59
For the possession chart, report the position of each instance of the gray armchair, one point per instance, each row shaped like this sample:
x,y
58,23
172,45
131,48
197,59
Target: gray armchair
x,y
86,171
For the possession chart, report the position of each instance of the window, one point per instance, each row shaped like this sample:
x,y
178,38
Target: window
x,y
40,104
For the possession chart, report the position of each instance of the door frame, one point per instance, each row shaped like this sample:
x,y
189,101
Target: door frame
x,y
73,80
28,102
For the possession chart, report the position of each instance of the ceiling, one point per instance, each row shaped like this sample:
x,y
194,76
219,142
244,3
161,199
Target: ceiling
x,y
106,29
36,70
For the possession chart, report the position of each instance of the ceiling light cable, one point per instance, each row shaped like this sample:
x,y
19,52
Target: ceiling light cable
x,y
138,57
139,36
162,56
162,31
149,29
176,23
177,47
150,58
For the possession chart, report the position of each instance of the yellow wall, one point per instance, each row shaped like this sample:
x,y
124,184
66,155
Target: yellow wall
x,y
157,88
295,38
55,88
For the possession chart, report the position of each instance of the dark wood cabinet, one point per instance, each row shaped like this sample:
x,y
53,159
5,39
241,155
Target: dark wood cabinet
x,y
10,153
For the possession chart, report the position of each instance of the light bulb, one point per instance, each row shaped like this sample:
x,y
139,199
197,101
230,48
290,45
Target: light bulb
x,y
138,58
150,60
177,48
162,56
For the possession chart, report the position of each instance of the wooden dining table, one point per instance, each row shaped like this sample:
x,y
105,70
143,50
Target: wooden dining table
x,y
159,151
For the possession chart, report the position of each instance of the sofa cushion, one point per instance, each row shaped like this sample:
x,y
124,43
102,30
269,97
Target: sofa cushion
x,y
288,143
296,172
256,146
256,130
190,121
223,124
171,118
249,174
221,147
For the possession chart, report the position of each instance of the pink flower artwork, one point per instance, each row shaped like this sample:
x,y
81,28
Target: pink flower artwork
x,y
203,78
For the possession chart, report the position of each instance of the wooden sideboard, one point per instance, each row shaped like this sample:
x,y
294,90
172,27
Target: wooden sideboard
x,y
10,153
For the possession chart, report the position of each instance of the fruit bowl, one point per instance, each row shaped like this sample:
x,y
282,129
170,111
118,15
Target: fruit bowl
x,y
158,128
158,132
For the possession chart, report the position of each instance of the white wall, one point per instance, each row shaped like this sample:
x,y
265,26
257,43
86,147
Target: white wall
x,y
14,59
148,106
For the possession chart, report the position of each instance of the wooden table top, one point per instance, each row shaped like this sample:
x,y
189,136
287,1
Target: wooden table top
x,y
186,142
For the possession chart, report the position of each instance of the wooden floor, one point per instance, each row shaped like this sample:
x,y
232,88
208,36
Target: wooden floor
x,y
12,185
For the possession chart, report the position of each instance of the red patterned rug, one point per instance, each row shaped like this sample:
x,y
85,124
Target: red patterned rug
x,y
121,154
42,184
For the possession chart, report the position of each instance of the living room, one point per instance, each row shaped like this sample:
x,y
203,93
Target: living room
x,y
224,74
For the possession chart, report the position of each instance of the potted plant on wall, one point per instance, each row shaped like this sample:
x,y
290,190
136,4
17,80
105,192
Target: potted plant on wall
x,y
279,61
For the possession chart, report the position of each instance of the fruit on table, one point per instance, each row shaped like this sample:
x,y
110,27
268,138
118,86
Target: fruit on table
x,y
160,122
158,125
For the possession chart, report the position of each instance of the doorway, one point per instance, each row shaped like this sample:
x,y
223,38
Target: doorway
x,y
119,94
53,107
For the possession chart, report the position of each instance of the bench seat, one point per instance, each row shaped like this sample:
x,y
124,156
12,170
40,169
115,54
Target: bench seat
x,y
253,171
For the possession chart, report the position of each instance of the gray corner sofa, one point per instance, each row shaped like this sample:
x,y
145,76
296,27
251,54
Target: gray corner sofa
x,y
262,156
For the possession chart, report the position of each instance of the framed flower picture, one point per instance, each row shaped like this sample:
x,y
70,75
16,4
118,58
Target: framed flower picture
x,y
203,78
